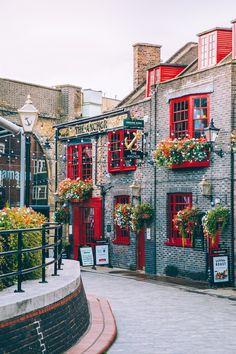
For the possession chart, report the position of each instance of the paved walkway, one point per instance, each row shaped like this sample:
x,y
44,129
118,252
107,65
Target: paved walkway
x,y
156,317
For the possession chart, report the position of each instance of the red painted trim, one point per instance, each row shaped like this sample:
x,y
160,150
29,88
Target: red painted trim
x,y
121,167
75,170
120,238
174,205
189,164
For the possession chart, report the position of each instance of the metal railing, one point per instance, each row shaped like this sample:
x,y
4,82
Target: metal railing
x,y
51,239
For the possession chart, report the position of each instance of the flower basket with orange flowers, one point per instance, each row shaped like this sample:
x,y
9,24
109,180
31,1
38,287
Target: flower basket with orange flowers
x,y
75,189
178,151
122,215
185,222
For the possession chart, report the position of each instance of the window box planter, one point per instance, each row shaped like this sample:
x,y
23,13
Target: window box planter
x,y
188,164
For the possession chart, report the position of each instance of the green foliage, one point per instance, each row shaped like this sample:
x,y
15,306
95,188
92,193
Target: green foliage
x,y
215,219
171,270
61,215
20,218
177,151
141,213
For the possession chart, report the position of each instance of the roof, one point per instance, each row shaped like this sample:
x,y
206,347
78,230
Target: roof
x,y
215,29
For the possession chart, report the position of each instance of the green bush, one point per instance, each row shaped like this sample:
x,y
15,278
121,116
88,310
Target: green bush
x,y
20,218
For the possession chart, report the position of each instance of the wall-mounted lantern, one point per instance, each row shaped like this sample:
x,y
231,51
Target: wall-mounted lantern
x,y
205,187
135,189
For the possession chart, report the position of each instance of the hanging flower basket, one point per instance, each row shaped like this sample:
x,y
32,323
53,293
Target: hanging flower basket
x,y
215,220
61,215
141,213
177,152
75,189
185,221
122,215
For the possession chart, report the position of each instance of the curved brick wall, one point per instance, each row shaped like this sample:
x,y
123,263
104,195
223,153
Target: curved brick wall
x,y
50,329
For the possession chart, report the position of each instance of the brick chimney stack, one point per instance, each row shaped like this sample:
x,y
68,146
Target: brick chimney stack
x,y
145,56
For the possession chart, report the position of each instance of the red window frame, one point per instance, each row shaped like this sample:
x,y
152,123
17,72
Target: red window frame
x,y
116,149
189,115
176,202
122,235
79,161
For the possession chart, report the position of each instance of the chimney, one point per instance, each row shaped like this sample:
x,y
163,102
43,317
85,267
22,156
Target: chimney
x,y
145,56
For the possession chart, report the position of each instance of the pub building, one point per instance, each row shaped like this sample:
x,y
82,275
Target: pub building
x,y
107,149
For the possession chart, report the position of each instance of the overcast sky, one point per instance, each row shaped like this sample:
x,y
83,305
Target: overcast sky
x,y
88,43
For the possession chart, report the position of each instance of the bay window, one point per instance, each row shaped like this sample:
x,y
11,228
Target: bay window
x,y
189,115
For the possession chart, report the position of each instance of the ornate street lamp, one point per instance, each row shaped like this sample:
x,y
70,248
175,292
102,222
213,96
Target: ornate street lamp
x,y
211,134
28,115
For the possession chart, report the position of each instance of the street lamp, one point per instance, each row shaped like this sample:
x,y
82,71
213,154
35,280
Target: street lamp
x,y
211,134
28,115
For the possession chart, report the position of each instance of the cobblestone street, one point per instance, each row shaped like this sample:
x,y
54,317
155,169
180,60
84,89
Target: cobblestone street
x,y
160,318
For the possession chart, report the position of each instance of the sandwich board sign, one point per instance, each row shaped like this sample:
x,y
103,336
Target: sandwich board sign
x,y
86,255
102,254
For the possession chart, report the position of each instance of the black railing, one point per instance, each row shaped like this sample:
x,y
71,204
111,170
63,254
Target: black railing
x,y
51,239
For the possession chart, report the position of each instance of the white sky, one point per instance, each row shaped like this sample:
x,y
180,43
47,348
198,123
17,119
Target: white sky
x,y
89,42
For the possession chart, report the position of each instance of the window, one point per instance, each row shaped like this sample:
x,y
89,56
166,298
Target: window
x,y
116,151
40,166
189,116
208,50
39,192
176,202
79,161
122,235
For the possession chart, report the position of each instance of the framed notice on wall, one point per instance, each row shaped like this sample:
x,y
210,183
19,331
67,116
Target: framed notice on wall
x,y
86,256
220,266
102,257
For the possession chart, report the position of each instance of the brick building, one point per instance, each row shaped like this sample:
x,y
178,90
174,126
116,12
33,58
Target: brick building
x,y
55,105
175,99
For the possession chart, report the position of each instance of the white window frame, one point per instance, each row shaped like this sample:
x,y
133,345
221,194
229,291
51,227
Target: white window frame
x,y
40,166
39,192
2,148
208,50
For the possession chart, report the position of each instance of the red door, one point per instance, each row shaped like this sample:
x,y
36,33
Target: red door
x,y
87,224
140,250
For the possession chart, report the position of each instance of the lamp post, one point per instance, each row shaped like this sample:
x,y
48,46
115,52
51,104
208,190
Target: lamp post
x,y
211,134
28,115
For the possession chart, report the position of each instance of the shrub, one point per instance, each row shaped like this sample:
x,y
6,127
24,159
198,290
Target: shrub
x,y
171,270
20,218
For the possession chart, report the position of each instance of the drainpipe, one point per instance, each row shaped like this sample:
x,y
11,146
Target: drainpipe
x,y
56,159
155,178
232,212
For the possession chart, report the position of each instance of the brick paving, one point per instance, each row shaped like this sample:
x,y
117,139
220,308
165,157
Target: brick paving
x,y
154,317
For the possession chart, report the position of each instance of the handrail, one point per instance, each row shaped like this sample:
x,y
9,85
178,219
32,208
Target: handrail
x,y
56,245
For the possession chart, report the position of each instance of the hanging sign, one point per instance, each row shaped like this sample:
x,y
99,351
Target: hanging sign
x,y
86,254
134,123
133,154
101,252
220,265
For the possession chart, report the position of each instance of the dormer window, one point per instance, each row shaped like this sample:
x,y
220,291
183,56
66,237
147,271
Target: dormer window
x,y
214,45
161,73
208,50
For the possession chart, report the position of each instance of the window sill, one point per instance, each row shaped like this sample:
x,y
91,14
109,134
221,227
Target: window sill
x,y
122,170
192,164
121,243
178,243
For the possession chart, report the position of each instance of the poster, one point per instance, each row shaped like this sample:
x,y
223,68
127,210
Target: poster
x,y
102,254
220,269
86,254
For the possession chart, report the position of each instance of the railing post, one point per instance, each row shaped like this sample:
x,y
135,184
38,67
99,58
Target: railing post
x,y
43,254
55,251
60,246
19,263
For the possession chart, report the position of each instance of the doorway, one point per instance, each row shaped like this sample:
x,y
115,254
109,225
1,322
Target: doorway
x,y
87,224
